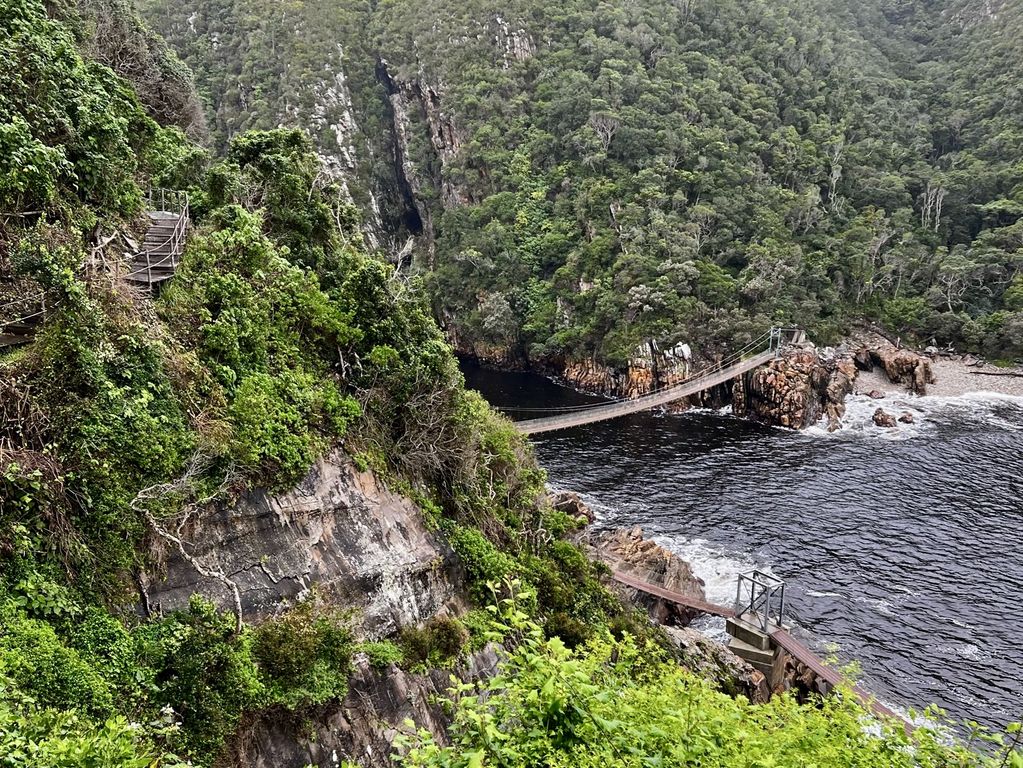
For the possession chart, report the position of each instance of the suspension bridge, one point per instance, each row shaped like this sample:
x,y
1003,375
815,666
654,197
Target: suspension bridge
x,y
148,265
758,352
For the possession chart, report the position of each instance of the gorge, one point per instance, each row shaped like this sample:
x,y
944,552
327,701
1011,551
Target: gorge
x,y
251,514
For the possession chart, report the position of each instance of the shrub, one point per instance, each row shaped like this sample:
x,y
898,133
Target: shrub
x,y
438,641
382,654
305,655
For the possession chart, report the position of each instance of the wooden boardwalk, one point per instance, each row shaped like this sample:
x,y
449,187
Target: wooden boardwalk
x,y
779,637
673,597
154,262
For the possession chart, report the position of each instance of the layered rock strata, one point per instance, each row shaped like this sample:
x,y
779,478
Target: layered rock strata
x,y
340,531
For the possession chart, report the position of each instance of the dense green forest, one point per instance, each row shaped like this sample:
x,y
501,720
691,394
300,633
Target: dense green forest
x,y
281,338
602,174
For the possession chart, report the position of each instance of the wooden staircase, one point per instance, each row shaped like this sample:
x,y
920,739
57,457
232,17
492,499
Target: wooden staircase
x,y
19,320
163,246
153,263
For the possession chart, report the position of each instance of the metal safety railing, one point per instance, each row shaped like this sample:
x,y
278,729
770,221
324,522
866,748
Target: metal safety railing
x,y
170,249
760,599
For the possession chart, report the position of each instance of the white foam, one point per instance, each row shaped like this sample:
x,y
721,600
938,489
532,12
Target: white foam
x,y
990,409
719,570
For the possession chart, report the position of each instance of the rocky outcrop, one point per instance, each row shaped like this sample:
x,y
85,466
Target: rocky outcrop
x,y
627,551
796,390
340,531
361,729
713,661
903,366
884,419
572,505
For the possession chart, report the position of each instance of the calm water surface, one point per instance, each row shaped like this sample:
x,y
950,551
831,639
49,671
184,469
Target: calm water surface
x,y
903,548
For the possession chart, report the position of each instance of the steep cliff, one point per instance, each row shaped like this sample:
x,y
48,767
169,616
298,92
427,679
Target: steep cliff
x,y
339,532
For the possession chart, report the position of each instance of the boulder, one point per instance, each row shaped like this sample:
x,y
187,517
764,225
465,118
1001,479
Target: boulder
x,y
907,418
627,551
863,360
884,419
796,390
571,504
876,394
903,366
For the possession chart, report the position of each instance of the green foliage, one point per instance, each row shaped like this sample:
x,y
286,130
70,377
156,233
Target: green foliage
x,y
435,643
305,655
69,128
618,703
382,654
204,671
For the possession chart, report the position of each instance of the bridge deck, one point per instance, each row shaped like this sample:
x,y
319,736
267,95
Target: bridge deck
x,y
645,402
779,636
674,597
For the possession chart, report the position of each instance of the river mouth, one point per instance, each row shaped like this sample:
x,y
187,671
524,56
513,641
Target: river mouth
x,y
902,549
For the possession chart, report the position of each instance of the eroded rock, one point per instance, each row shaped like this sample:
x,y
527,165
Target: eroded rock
x,y
796,390
903,366
339,530
626,550
884,419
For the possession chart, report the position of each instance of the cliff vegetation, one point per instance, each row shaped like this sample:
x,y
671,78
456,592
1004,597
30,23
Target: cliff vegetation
x,y
280,339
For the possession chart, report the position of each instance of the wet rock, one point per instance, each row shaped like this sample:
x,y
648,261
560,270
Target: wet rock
x,y
876,394
713,661
571,504
796,390
627,551
907,418
884,419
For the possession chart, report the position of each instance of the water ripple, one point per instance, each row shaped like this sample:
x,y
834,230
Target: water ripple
x,y
903,548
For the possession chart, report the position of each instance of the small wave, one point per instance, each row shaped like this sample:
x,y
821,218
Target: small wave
x,y
987,409
815,593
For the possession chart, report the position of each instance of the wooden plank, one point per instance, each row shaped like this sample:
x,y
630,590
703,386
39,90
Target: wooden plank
x,y
833,677
779,636
644,403
674,597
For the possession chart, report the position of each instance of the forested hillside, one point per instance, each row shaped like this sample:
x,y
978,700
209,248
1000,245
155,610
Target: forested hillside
x,y
134,416
605,174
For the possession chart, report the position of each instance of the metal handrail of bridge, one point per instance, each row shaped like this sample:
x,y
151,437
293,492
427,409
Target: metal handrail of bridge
x,y
719,373
779,635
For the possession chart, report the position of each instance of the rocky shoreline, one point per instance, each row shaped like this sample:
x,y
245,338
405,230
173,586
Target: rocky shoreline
x,y
799,389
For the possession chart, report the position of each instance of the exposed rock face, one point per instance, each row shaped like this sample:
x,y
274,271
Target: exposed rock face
x,y
626,550
884,419
796,390
339,530
571,504
714,661
903,366
362,728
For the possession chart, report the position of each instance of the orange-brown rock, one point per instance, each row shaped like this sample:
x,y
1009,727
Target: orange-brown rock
x,y
626,550
903,366
796,390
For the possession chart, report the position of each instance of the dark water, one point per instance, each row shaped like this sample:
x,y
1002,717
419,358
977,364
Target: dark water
x,y
905,549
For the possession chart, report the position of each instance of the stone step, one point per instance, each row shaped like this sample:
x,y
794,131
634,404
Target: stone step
x,y
748,633
751,653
